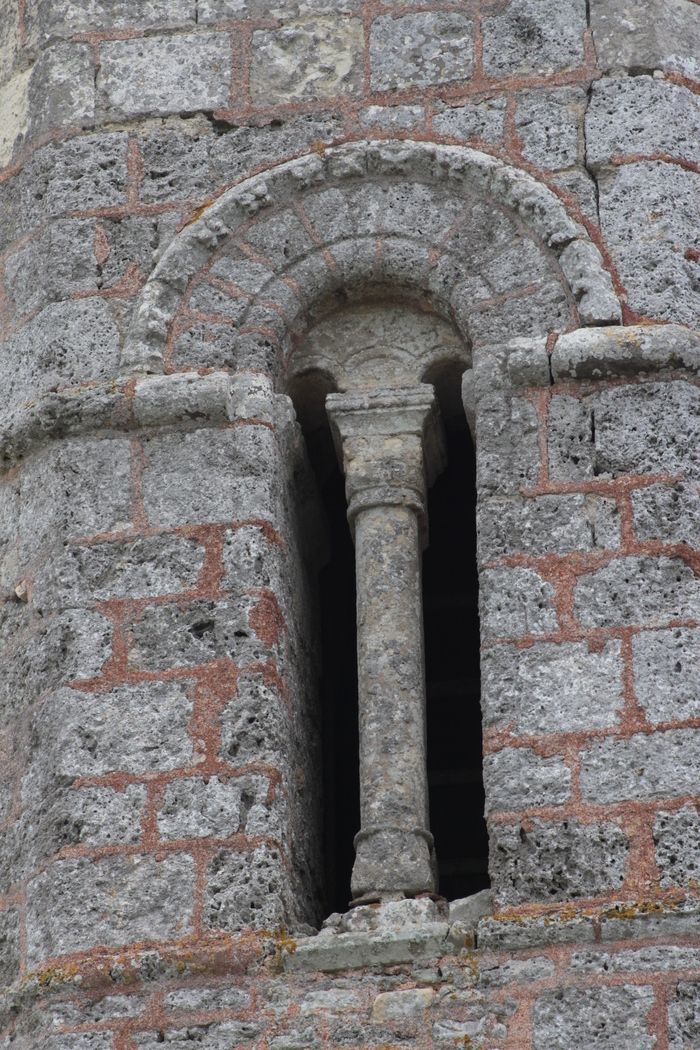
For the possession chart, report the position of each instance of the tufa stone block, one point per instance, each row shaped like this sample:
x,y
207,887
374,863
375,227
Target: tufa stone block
x,y
308,59
534,37
665,681
598,1018
417,50
646,766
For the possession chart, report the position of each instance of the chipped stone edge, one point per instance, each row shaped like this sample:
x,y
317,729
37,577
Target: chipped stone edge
x,y
453,167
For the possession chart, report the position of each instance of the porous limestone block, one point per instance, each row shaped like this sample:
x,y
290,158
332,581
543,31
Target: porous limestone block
x,y
537,968
534,36
85,172
550,688
566,1017
10,44
517,778
86,1041
194,807
14,106
240,10
83,735
637,590
316,58
247,889
165,74
256,723
641,115
211,476
547,861
187,635
570,439
61,90
647,35
665,681
78,904
473,120
9,945
655,958
392,118
654,206
89,816
556,524
217,997
58,264
684,1016
677,841
67,344
515,602
48,20
416,50
667,513
507,444
218,1036
550,126
646,766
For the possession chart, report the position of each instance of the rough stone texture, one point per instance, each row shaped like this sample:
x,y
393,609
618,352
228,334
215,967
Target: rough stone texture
x,y
420,49
475,120
644,590
549,125
656,765
664,682
677,841
517,778
193,72
50,19
307,59
246,890
599,1018
642,35
684,1016
534,36
218,809
555,861
514,602
545,525
552,688
667,513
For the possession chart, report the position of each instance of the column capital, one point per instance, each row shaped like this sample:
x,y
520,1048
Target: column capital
x,y
391,446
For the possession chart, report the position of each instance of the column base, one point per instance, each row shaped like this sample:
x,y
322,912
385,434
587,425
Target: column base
x,y
393,863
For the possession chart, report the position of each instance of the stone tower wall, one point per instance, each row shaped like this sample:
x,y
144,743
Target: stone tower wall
x,y
185,185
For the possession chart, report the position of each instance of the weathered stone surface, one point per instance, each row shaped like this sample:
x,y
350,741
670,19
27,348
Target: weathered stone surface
x,y
473,120
221,997
550,126
677,841
646,35
9,42
684,1016
79,904
392,118
664,680
9,945
57,265
513,971
246,889
165,74
517,778
551,688
569,439
89,171
654,765
14,103
599,1018
216,10
219,809
420,49
657,957
667,513
397,1006
90,816
615,352
61,91
307,59
637,590
534,36
656,207
545,525
255,725
50,19
630,919
555,861
83,735
641,115
514,602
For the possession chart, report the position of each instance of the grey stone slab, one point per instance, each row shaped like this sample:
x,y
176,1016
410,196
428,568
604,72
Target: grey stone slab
x,y
214,997
684,1016
246,889
473,120
647,35
550,126
555,861
61,90
241,10
650,920
665,680
637,590
390,118
654,206
165,74
48,20
641,115
660,957
534,36
430,47
535,932
514,602
515,971
317,58
667,513
255,725
633,350
9,945
570,439
517,778
88,171
550,688
677,842
599,1018
80,904
215,808
89,816
219,1036
645,766
546,525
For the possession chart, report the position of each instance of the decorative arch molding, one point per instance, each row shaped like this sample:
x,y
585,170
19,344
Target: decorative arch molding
x,y
461,233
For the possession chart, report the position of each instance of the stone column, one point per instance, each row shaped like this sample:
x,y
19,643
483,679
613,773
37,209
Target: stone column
x,y
390,445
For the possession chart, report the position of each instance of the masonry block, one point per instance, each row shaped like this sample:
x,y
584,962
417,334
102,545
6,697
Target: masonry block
x,y
637,590
89,171
546,525
664,680
474,120
392,118
667,513
551,688
646,766
550,126
677,841
79,904
165,74
14,102
256,724
211,476
543,309
570,439
514,602
534,36
9,41
668,196
215,808
647,35
240,10
217,1036
544,861
684,1016
83,734
316,58
599,1018
92,816
216,997
9,946
517,778
85,1041
430,47
61,91
58,265
246,889
48,20
505,425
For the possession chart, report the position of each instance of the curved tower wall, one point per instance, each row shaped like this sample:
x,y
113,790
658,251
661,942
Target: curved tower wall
x,y
184,187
